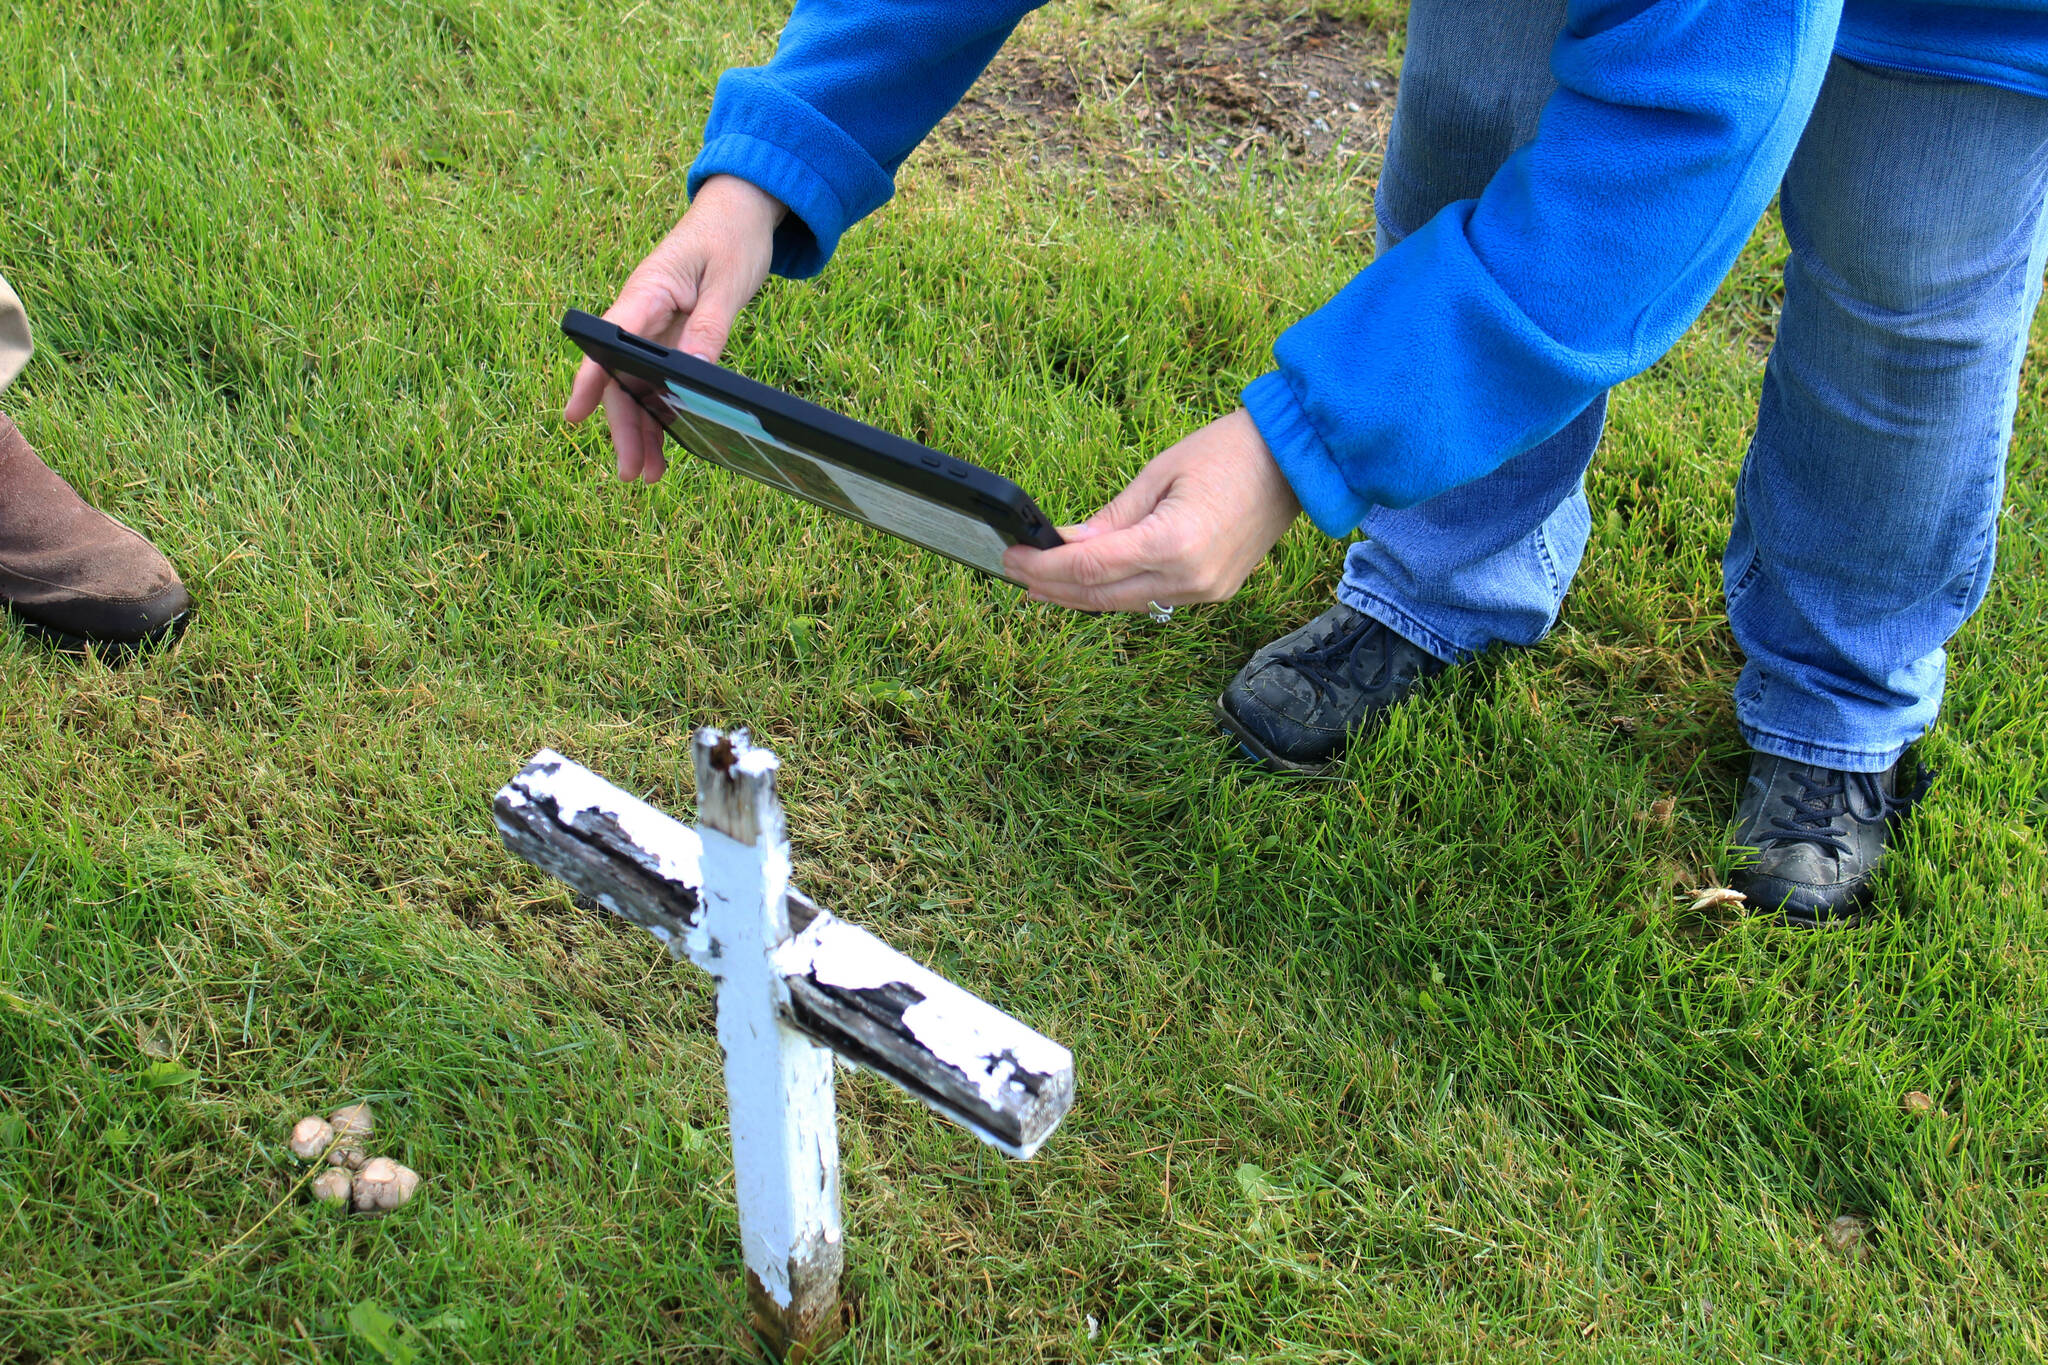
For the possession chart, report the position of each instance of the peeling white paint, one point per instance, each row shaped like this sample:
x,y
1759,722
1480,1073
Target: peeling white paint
x,y
676,851
778,1082
960,1029
663,846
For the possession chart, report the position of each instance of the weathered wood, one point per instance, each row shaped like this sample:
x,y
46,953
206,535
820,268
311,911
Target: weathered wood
x,y
795,985
613,847
1001,1080
845,988
785,1135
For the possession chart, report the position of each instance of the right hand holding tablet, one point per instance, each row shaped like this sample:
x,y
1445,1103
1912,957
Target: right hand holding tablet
x,y
686,295
1190,528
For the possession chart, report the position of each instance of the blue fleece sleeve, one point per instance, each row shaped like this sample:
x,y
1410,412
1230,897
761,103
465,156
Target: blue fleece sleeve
x,y
1587,255
854,85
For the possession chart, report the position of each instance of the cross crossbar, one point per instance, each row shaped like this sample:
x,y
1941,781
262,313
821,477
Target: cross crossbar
x,y
849,991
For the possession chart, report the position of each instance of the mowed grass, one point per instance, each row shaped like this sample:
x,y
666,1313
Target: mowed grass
x,y
1431,1063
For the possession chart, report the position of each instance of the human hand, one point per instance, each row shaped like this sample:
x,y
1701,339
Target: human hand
x,y
685,295
1190,528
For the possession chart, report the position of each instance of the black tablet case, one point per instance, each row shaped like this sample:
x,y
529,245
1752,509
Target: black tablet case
x,y
861,472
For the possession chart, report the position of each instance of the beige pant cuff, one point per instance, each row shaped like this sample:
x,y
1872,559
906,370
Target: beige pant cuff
x,y
15,344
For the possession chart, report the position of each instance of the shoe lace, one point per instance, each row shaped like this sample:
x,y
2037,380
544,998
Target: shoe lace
x,y
1824,798
1327,666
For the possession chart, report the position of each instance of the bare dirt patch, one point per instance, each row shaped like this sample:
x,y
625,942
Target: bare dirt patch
x,y
1301,87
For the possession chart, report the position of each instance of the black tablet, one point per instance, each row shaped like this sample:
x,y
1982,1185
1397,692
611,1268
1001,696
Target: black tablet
x,y
927,498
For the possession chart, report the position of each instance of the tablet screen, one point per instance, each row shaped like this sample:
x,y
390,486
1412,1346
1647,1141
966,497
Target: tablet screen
x,y
726,435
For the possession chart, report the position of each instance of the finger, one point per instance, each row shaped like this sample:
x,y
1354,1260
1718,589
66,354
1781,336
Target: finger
x,y
1137,593
643,309
1017,562
1137,501
710,322
653,462
1017,557
648,304
629,437
705,333
586,392
1106,558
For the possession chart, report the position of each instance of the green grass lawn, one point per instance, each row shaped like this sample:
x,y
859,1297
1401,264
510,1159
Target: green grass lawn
x,y
1431,1063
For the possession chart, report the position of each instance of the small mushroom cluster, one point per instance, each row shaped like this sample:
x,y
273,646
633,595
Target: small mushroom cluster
x,y
354,1178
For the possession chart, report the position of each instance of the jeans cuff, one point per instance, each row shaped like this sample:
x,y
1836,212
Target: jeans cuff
x,y
1401,623
1826,755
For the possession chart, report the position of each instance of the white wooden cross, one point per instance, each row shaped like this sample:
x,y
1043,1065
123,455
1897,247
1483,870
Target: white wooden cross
x,y
795,985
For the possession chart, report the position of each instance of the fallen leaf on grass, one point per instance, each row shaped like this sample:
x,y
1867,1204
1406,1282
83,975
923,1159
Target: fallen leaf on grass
x,y
393,1338
166,1075
1917,1103
1847,1235
1660,813
1712,896
1253,1182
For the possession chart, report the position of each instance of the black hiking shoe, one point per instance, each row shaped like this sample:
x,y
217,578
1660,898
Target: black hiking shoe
x,y
1298,701
1813,836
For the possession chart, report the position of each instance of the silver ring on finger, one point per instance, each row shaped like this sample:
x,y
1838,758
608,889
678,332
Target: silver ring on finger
x,y
1159,613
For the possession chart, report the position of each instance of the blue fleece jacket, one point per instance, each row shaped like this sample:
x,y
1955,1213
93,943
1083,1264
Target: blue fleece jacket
x,y
1500,319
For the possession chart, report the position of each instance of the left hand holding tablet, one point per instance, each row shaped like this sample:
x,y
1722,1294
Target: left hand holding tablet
x,y
1190,528
686,295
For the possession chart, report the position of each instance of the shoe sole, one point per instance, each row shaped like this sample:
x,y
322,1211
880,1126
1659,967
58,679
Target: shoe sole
x,y
1841,917
64,642
1260,754
1848,914
1809,925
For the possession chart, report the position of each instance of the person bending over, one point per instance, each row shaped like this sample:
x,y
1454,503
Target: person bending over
x,y
1566,183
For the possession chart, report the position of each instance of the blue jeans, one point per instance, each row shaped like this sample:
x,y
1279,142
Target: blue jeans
x,y
1867,509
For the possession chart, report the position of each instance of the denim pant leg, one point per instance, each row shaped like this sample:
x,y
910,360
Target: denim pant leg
x,y
1488,561
1868,505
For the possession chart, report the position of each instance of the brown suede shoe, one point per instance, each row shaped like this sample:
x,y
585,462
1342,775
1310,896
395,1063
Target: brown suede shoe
x,y
72,571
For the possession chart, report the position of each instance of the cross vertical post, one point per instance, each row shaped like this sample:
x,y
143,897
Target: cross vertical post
x,y
778,1083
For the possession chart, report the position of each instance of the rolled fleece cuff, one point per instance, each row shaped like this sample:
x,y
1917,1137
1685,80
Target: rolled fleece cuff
x,y
771,139
1331,503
